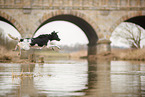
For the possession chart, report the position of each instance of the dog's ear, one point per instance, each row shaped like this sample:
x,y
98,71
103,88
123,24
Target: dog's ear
x,y
52,32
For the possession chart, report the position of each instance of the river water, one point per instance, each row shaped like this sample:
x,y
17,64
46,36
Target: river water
x,y
73,78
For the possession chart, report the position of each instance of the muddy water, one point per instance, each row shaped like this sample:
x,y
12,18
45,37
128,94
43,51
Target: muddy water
x,y
73,78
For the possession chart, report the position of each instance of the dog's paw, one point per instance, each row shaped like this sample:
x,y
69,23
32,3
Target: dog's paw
x,y
52,48
58,47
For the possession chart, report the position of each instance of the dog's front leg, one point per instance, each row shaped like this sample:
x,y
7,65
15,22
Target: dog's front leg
x,y
55,46
48,44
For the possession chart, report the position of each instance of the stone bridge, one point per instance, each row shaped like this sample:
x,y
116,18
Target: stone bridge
x,y
97,18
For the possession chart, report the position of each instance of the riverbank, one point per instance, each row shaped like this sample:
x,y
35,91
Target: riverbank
x,y
115,54
5,55
122,54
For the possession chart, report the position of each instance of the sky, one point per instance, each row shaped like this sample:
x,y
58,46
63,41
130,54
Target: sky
x,y
9,29
117,41
69,33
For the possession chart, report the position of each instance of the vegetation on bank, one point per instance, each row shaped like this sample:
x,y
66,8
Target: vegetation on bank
x,y
5,55
123,54
115,54
129,34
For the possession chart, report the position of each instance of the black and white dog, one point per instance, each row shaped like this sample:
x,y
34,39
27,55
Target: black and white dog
x,y
41,41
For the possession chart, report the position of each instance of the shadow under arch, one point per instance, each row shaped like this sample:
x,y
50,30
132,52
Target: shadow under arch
x,y
13,22
133,18
139,20
5,20
82,24
4,39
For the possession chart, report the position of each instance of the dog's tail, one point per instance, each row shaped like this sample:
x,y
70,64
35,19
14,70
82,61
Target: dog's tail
x,y
14,38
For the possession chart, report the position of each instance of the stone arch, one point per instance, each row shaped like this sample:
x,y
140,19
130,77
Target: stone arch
x,y
9,19
122,19
70,12
81,20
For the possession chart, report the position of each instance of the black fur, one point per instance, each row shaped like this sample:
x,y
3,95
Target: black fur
x,y
44,38
21,40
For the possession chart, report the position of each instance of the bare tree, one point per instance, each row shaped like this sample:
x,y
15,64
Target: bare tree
x,y
1,36
5,40
130,34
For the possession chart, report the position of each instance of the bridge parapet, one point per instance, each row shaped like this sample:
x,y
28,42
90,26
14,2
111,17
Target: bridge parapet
x,y
74,4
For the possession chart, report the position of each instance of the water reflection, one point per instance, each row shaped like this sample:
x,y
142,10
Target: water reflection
x,y
126,79
66,79
71,78
99,79
27,87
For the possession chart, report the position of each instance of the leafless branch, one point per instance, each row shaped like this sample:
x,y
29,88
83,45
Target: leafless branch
x,y
131,34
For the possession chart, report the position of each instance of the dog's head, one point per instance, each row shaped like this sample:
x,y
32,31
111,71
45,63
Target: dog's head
x,y
54,36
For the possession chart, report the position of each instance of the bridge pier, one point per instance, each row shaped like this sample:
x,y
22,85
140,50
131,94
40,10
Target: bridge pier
x,y
92,49
28,54
25,53
103,46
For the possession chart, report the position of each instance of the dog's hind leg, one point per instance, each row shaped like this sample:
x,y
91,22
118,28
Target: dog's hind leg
x,y
19,51
15,48
19,48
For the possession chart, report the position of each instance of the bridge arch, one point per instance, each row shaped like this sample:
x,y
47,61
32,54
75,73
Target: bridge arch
x,y
139,20
10,20
78,19
125,18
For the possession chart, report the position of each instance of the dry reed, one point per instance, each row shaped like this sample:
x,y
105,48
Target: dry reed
x,y
5,54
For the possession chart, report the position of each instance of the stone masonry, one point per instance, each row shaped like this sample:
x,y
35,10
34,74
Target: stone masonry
x,y
103,15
